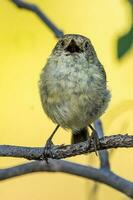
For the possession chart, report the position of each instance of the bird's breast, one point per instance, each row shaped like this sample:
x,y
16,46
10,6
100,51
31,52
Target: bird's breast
x,y
72,87
74,74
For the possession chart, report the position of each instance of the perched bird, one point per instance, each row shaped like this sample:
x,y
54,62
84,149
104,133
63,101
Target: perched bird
x,y
73,86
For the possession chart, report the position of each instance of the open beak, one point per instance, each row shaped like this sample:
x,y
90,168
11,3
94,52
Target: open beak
x,y
73,47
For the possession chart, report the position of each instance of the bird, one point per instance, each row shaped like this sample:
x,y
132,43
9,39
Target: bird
x,y
73,87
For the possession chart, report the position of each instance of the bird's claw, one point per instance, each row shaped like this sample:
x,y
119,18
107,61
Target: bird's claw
x,y
96,142
46,150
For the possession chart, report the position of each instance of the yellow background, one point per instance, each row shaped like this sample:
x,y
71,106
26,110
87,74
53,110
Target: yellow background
x,y
25,44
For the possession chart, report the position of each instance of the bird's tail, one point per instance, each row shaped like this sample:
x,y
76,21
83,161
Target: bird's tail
x,y
79,135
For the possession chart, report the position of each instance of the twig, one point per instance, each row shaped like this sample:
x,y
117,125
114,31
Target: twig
x,y
102,176
32,7
63,151
103,154
103,157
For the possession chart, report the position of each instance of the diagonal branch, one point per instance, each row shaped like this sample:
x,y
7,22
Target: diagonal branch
x,y
103,154
32,7
107,177
64,151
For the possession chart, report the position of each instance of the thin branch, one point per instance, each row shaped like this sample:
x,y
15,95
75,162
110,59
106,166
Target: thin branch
x,y
103,157
64,151
102,176
103,154
32,7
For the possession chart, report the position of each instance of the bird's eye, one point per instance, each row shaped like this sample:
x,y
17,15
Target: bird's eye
x,y
62,43
86,45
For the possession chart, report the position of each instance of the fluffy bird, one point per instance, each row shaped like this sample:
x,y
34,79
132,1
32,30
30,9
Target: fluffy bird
x,y
73,86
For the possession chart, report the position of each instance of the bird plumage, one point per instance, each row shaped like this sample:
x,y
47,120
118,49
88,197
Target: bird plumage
x,y
72,85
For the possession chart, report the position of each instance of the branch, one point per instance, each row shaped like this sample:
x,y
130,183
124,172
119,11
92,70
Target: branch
x,y
103,154
32,7
102,176
64,151
103,157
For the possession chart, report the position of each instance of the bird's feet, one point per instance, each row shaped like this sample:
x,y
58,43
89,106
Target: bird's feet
x,y
95,138
48,145
47,149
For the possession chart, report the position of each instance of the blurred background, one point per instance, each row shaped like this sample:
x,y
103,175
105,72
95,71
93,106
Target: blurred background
x,y
25,44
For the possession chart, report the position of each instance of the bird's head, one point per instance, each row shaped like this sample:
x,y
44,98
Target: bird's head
x,y
74,44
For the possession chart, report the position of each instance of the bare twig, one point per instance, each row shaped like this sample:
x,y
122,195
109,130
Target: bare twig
x,y
102,176
103,154
21,4
103,157
63,151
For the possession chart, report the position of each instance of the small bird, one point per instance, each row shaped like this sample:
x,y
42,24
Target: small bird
x,y
73,87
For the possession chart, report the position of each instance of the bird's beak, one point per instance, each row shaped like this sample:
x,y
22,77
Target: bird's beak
x,y
73,47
